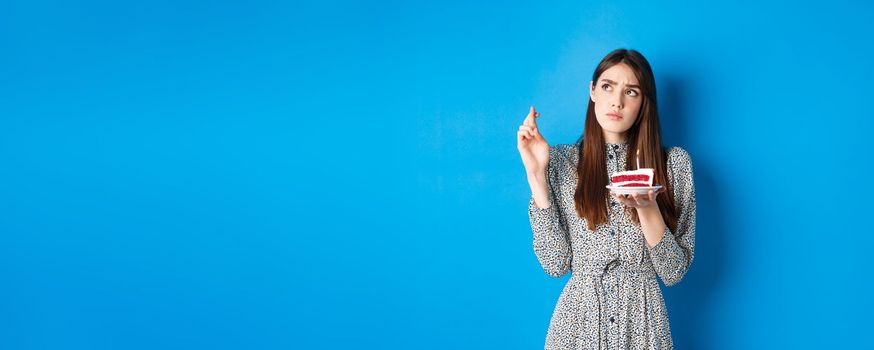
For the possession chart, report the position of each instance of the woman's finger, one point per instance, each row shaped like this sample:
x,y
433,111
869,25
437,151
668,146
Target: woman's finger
x,y
527,134
524,135
529,120
622,199
638,199
627,202
533,129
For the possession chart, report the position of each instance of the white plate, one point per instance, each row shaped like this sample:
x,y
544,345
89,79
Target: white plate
x,y
631,190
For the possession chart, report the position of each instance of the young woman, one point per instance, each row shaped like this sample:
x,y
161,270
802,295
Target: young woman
x,y
614,245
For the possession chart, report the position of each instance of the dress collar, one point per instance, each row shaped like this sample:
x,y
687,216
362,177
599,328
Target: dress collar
x,y
616,146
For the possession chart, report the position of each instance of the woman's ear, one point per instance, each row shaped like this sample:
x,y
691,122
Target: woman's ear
x,y
592,91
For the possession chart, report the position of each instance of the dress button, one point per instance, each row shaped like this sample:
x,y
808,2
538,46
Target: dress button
x,y
612,232
612,319
610,155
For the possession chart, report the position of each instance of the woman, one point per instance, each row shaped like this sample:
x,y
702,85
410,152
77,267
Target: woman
x,y
614,245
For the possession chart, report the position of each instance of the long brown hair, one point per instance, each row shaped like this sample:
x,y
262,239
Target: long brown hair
x,y
591,196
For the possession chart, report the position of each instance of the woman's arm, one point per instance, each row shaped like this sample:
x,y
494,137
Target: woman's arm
x,y
551,242
652,224
672,252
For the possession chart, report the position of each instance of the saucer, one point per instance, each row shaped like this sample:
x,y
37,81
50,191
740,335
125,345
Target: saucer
x,y
632,190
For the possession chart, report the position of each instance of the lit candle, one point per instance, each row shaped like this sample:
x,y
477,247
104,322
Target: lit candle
x,y
638,158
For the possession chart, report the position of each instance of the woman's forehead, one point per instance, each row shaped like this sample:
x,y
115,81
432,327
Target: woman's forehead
x,y
620,74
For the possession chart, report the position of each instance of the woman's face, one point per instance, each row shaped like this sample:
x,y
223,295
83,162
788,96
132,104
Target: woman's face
x,y
616,92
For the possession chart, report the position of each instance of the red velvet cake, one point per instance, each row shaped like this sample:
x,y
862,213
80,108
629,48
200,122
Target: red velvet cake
x,y
633,178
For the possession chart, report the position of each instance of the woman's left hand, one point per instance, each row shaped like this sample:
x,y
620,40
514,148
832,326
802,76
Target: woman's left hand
x,y
639,201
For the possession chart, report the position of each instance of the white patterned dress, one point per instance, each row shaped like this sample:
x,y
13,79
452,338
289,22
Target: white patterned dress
x,y
612,300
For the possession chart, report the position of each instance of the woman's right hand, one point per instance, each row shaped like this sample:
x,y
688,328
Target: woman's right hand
x,y
532,146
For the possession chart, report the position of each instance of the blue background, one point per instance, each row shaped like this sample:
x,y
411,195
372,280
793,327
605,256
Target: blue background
x,y
265,175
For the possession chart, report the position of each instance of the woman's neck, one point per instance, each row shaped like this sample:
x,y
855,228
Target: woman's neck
x,y
614,138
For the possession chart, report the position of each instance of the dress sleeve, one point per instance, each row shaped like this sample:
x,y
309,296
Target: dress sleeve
x,y
551,242
672,256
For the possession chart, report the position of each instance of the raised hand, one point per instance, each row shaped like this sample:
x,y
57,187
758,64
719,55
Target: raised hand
x,y
532,146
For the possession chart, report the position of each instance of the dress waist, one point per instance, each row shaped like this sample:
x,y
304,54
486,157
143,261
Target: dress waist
x,y
614,266
598,270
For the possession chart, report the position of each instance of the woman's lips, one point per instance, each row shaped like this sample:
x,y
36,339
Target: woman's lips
x,y
614,116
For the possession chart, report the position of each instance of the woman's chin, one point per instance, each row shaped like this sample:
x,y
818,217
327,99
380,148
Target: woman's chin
x,y
615,128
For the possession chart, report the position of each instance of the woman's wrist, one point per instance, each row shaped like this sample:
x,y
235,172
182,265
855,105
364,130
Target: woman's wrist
x,y
539,189
649,211
536,176
651,216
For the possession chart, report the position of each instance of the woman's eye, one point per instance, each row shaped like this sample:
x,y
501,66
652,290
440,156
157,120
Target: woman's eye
x,y
605,86
634,93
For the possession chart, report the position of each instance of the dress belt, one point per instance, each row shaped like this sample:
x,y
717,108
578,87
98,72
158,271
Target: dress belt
x,y
614,266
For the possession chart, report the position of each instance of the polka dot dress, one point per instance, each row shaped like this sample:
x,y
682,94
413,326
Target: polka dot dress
x,y
612,300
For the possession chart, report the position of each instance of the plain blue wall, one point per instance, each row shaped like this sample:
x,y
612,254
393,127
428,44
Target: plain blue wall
x,y
259,175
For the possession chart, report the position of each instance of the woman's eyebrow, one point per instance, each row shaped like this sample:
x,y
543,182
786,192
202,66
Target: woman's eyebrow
x,y
614,83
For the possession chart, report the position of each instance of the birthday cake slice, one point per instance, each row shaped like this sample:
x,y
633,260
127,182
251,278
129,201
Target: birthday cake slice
x,y
633,178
